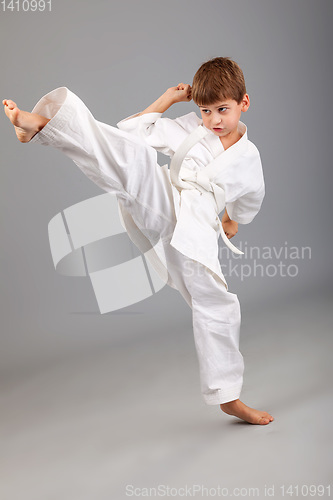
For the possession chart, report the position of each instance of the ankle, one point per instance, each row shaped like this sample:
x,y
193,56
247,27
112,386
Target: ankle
x,y
42,122
230,407
229,404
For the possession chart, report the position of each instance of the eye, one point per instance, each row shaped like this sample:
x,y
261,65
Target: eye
x,y
222,109
205,111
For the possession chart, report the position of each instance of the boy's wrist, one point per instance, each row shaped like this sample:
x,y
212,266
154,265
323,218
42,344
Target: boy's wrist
x,y
225,217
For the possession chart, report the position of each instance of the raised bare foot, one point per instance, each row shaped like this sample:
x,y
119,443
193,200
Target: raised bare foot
x,y
240,410
26,124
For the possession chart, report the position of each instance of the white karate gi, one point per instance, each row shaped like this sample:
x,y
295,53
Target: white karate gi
x,y
180,225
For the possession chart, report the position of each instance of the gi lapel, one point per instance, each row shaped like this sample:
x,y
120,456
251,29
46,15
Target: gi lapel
x,y
204,180
228,156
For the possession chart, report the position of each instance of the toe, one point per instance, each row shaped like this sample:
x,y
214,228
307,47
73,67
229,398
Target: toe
x,y
9,103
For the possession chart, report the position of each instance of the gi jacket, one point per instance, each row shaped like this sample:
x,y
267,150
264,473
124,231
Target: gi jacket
x,y
204,182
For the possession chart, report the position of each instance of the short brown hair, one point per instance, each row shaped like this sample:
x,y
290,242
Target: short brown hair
x,y
217,79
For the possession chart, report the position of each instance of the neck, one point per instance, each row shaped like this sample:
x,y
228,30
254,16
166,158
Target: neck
x,y
230,140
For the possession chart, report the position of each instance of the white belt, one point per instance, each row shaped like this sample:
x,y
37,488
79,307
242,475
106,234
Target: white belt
x,y
198,179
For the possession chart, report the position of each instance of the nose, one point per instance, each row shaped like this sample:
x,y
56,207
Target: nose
x,y
216,119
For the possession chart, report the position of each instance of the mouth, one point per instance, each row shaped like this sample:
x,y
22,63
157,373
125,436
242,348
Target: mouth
x,y
217,129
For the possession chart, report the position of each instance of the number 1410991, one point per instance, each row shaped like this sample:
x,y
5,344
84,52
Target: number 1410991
x,y
26,5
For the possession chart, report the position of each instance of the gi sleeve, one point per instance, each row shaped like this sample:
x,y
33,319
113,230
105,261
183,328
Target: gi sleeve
x,y
245,205
163,134
245,208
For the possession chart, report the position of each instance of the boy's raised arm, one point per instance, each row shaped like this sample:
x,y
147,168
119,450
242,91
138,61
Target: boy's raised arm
x,y
183,92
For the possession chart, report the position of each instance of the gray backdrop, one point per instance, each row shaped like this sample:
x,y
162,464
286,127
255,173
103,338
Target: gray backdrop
x,y
119,57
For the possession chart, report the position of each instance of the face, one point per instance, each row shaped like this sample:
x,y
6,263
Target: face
x,y
222,117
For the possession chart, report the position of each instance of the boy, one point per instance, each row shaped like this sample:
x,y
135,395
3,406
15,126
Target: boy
x,y
174,213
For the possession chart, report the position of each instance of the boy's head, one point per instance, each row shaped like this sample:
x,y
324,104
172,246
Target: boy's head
x,y
219,91
217,80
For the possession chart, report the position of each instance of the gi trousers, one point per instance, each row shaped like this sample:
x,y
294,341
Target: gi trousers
x,y
122,164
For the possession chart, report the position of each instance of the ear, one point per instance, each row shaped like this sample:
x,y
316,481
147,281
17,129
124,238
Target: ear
x,y
245,102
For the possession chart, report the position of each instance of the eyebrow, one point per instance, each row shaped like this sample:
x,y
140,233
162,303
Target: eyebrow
x,y
219,106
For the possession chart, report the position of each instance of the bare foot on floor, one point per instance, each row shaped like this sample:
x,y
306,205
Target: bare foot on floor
x,y
26,124
240,410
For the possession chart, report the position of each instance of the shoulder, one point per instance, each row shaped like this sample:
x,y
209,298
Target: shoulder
x,y
249,168
252,155
189,121
252,149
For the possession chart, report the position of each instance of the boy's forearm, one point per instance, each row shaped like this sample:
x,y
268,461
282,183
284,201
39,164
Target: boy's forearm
x,y
159,106
182,92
